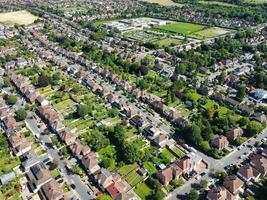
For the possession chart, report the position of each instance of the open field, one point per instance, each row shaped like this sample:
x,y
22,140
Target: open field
x,y
166,42
164,2
218,3
210,32
255,1
143,191
19,17
181,28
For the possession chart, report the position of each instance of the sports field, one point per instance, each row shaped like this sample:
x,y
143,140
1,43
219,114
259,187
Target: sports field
x,y
181,28
210,32
217,3
22,17
164,2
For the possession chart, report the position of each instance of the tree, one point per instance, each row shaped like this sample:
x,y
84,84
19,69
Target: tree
x,y
253,128
82,110
21,114
241,92
11,99
104,197
98,141
131,153
203,184
107,162
113,112
53,165
193,195
43,80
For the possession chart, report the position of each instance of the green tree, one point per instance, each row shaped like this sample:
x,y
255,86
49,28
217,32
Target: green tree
x,y
253,128
11,99
82,110
43,80
241,92
193,195
131,153
21,114
203,184
113,112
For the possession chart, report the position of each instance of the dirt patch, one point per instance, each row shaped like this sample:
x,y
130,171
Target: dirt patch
x,y
22,17
164,2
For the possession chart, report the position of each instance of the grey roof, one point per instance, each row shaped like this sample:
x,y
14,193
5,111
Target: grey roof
x,y
4,179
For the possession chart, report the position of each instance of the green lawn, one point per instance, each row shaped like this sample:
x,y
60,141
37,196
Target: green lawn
x,y
210,33
47,91
166,42
66,106
217,3
255,1
126,169
143,191
133,178
167,154
178,152
181,28
149,167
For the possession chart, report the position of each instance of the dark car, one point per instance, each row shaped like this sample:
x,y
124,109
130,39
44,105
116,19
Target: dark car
x,y
72,186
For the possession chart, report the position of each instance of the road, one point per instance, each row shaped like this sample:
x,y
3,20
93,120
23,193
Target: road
x,y
81,188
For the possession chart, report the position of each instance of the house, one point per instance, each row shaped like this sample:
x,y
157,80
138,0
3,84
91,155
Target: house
x,y
90,163
28,160
130,195
10,124
246,109
230,102
79,150
260,117
67,136
160,140
138,121
233,184
168,174
151,132
19,144
51,191
260,164
117,188
104,178
234,133
219,193
186,164
52,117
260,94
38,176
220,142
248,173
130,112
41,100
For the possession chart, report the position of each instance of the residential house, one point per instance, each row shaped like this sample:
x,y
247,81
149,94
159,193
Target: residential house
x,y
234,133
160,140
219,193
90,162
138,121
28,160
260,117
220,142
41,100
233,184
170,173
116,188
248,173
38,176
130,195
10,124
104,178
79,150
51,191
67,136
260,164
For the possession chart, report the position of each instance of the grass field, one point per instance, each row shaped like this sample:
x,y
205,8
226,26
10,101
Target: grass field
x,y
143,191
210,32
133,178
166,42
255,1
148,166
22,17
218,3
164,2
181,28
126,169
